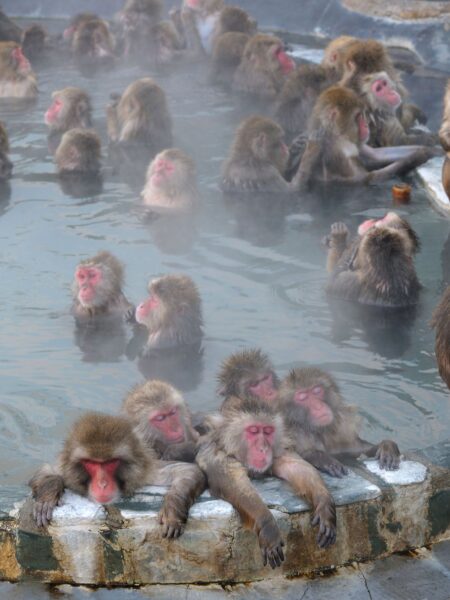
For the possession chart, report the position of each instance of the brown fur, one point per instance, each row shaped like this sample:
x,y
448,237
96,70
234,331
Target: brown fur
x,y
444,137
110,299
141,115
178,320
378,269
241,369
92,42
15,81
317,444
441,322
155,395
259,73
334,53
334,151
79,152
222,456
178,193
233,18
199,25
34,42
76,110
6,165
104,437
226,57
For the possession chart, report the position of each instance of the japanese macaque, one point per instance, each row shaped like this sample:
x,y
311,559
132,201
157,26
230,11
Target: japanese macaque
x,y
251,442
75,23
172,313
200,20
334,53
444,137
337,150
17,79
322,425
171,183
6,165
70,108
92,43
34,43
79,152
97,289
161,419
381,102
226,57
258,159
441,323
263,68
378,267
247,374
141,115
103,460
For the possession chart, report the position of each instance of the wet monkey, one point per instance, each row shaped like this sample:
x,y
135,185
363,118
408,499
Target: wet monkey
x,y
226,57
171,183
263,68
141,115
258,159
17,79
250,442
34,43
322,425
444,137
93,44
79,153
441,323
247,374
161,419
75,23
70,108
97,288
6,165
337,150
199,21
103,460
378,267
172,314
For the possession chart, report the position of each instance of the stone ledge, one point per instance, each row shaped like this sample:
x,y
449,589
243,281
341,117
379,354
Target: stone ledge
x,y
431,176
378,513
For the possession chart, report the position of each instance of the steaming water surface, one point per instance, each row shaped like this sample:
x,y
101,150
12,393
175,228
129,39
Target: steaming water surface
x,y
261,276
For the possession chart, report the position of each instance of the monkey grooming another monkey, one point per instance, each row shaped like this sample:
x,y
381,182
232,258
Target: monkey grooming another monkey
x,y
250,443
378,268
161,419
97,289
17,79
337,150
79,153
441,323
322,425
171,183
141,116
172,314
103,460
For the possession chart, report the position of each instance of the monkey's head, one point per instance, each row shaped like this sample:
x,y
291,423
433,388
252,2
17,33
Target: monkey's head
x,y
33,41
248,373
261,139
158,412
339,112
171,170
267,53
75,23
79,152
173,299
70,108
380,92
97,280
13,60
233,18
204,7
333,54
92,39
253,435
309,397
387,237
103,459
365,56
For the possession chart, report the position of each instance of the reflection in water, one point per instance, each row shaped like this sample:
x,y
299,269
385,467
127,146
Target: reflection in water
x,y
102,340
81,186
173,234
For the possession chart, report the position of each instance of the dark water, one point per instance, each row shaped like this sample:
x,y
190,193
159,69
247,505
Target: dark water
x,y
260,273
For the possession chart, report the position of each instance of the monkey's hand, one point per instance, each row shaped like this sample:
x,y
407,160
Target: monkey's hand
x,y
325,517
43,511
184,451
171,520
270,542
388,455
338,235
327,463
130,314
47,488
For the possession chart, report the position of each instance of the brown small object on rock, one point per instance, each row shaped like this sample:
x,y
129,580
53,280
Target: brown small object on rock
x,y
401,193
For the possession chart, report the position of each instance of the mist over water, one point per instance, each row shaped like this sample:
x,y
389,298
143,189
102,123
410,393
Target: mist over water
x,y
259,266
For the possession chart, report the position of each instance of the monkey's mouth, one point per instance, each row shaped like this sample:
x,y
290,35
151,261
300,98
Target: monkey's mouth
x,y
177,440
87,294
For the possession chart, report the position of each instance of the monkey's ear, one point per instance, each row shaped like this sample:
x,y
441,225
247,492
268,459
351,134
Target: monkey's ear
x,y
333,114
259,144
222,390
350,66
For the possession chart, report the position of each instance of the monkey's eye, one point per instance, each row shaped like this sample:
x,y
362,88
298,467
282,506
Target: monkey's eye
x,y
253,429
172,412
268,430
301,396
159,418
317,390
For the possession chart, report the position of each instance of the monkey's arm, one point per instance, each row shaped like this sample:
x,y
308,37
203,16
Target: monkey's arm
x,y
112,122
325,462
409,113
185,451
306,482
186,482
228,479
386,452
413,156
309,164
47,487
337,243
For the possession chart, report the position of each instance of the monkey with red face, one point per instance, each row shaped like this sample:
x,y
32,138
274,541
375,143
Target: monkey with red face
x,y
322,425
17,79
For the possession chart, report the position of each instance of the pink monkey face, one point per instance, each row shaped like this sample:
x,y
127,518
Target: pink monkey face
x,y
20,60
385,93
313,401
264,388
52,113
88,279
163,170
169,424
259,438
286,63
144,309
103,486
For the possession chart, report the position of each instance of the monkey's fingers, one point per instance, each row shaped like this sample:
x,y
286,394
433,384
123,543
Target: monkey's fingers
x,y
42,513
326,536
336,469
